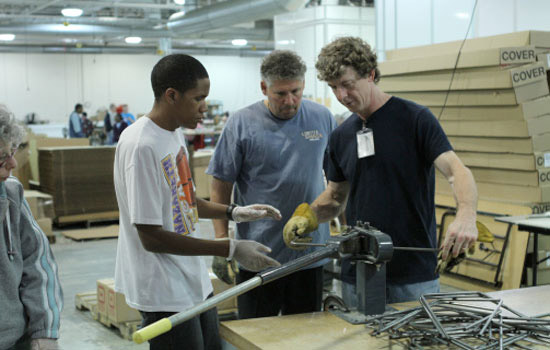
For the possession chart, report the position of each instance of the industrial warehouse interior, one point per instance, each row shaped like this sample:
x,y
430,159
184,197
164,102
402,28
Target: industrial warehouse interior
x,y
250,174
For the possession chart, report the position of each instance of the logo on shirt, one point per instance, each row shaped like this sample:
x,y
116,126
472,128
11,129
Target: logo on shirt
x,y
182,192
312,135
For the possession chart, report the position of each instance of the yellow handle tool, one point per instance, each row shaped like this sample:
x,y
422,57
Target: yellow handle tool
x,y
152,330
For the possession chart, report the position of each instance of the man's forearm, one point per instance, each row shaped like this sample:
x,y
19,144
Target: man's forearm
x,y
465,193
220,192
211,210
331,202
157,240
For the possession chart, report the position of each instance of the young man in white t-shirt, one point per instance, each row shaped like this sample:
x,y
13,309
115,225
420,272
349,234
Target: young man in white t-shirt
x,y
158,267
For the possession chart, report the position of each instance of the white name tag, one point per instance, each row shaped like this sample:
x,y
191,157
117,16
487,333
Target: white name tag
x,y
365,143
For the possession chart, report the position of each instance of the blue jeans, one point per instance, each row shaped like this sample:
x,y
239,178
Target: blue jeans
x,y
199,333
395,293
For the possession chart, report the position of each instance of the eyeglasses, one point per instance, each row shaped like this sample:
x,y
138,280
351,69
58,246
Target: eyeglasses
x,y
4,158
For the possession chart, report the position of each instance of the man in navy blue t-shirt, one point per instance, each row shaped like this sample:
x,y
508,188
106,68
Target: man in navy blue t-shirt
x,y
381,164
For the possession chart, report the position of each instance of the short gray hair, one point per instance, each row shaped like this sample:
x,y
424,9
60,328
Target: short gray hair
x,y
282,65
11,133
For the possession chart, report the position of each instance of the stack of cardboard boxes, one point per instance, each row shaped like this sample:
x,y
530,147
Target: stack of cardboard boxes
x,y
41,205
80,179
492,99
112,305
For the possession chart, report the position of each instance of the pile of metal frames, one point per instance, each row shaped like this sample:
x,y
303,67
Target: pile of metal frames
x,y
464,320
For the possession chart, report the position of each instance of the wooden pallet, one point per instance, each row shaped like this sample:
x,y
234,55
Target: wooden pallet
x,y
87,218
88,301
110,231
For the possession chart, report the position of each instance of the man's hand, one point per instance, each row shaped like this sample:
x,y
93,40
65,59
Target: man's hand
x,y
251,255
461,234
225,270
44,344
302,222
255,212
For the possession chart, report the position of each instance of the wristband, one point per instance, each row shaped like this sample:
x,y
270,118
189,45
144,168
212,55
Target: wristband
x,y
229,211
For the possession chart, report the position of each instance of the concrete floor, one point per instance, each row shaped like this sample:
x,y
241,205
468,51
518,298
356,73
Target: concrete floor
x,y
81,264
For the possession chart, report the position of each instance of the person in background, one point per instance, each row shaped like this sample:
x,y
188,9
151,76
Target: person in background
x,y
118,128
158,264
87,125
381,164
273,151
75,122
109,122
31,298
126,116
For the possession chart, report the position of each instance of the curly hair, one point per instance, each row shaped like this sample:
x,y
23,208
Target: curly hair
x,y
343,53
11,133
282,65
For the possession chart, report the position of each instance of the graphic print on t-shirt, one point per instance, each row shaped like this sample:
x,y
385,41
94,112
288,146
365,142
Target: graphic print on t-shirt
x,y
184,206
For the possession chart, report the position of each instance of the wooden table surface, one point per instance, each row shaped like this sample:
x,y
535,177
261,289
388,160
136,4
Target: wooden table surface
x,y
323,330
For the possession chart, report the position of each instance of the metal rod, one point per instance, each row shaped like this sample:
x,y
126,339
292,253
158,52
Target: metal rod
x,y
210,303
416,249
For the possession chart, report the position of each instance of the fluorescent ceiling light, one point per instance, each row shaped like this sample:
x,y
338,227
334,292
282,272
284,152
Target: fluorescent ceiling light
x,y
7,37
179,2
176,15
71,12
132,39
462,15
239,42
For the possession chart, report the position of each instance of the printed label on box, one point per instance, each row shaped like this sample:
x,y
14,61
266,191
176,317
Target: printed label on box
x,y
528,74
518,54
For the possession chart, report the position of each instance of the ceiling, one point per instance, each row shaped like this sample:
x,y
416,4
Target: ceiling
x,y
208,26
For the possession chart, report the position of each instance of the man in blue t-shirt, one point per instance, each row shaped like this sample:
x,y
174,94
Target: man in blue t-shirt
x,y
381,164
273,150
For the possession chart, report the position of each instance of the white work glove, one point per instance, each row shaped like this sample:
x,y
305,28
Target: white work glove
x,y
255,212
44,344
251,255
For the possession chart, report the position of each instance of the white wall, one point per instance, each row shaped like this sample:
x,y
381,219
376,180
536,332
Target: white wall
x,y
51,84
405,23
308,30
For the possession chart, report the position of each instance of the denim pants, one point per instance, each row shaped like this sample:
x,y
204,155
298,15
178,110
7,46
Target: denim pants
x,y
395,293
199,333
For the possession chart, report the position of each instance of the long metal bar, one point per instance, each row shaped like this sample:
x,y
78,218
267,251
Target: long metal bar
x,y
165,324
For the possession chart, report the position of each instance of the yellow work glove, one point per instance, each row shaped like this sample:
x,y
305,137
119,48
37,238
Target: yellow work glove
x,y
484,236
225,270
302,222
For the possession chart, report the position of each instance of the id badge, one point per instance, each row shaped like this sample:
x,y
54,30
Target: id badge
x,y
365,143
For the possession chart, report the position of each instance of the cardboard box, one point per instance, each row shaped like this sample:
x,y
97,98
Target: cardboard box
x,y
229,305
538,39
493,144
202,181
538,125
500,192
41,204
113,305
542,160
465,79
504,97
103,286
505,128
39,141
23,170
72,174
498,160
477,113
481,58
537,107
505,176
118,311
46,226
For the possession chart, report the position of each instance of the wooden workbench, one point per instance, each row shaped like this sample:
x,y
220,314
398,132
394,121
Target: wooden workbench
x,y
323,330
